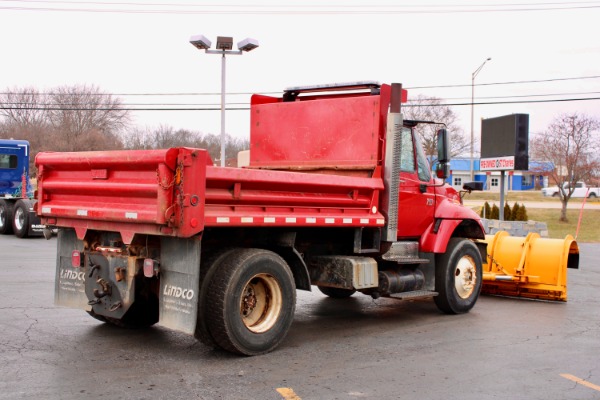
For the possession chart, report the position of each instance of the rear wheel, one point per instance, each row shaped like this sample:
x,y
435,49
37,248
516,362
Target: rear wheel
x,y
592,196
20,220
336,293
251,301
458,276
6,211
208,266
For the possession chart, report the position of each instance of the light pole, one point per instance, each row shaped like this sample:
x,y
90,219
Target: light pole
x,y
224,47
473,75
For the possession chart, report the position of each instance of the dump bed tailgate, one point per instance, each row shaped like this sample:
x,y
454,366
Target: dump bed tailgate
x,y
136,191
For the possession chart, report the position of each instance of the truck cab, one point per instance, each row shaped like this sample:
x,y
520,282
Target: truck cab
x,y
16,206
14,162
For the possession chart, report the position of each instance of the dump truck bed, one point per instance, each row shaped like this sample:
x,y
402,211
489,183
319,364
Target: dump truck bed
x,y
179,192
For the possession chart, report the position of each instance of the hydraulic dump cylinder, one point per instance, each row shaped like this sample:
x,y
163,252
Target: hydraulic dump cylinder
x,y
531,266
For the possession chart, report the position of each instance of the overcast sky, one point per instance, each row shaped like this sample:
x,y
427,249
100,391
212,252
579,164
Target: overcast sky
x,y
550,48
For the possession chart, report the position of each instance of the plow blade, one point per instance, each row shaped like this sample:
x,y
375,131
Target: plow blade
x,y
531,267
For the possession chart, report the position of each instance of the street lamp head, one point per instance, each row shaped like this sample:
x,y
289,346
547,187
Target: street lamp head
x,y
247,44
200,42
224,43
489,59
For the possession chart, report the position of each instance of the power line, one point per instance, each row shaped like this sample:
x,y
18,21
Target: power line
x,y
516,102
506,83
42,105
294,9
146,94
248,108
24,104
277,93
504,97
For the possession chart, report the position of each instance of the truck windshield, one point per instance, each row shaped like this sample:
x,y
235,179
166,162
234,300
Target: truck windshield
x,y
8,161
422,163
407,155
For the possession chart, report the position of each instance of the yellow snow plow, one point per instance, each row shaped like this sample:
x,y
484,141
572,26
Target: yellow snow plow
x,y
531,266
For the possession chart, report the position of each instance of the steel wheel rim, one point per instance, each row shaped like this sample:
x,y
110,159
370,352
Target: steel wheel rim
x,y
19,218
465,277
261,303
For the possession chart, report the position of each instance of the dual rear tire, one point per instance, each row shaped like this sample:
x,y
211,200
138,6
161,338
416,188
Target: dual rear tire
x,y
250,301
15,217
6,213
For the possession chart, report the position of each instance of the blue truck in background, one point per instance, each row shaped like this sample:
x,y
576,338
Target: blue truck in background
x,y
17,214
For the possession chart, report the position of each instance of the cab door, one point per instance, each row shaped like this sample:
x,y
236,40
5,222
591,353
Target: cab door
x,y
417,197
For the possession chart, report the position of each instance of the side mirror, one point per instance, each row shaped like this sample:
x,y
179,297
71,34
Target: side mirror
x,y
442,170
470,186
443,147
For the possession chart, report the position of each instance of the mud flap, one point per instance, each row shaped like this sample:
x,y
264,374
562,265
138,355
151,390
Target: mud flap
x,y
179,282
69,285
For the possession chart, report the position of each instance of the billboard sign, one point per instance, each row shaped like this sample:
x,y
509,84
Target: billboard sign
x,y
504,139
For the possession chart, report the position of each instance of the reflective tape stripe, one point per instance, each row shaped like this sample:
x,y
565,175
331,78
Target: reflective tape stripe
x,y
284,220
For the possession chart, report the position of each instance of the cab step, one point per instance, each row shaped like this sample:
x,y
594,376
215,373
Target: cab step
x,y
404,253
415,294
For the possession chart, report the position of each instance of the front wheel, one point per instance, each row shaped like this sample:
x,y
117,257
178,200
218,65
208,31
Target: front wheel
x,y
458,276
251,301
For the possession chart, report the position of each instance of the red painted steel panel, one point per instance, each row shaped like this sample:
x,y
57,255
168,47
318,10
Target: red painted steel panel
x,y
289,189
338,132
247,197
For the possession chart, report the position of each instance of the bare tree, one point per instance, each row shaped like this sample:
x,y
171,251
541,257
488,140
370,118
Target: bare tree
x,y
571,143
423,108
23,107
84,118
166,136
24,116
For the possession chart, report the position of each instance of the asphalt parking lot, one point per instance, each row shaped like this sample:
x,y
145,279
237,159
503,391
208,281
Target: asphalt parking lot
x,y
355,348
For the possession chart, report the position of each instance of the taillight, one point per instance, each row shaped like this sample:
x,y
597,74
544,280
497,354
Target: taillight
x,y
150,268
76,258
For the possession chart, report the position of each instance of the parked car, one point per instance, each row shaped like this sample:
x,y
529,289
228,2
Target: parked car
x,y
581,189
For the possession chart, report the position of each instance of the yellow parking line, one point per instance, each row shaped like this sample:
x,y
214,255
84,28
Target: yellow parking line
x,y
581,381
288,394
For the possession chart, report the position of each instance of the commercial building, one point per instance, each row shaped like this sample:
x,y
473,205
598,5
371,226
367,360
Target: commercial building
x,y
534,178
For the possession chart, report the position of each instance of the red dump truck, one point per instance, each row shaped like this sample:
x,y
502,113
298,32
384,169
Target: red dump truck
x,y
338,194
